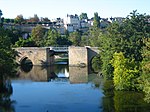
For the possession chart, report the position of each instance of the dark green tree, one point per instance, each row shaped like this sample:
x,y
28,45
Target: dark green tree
x,y
75,38
145,78
7,55
25,43
63,40
38,35
96,22
52,37
83,16
6,20
94,36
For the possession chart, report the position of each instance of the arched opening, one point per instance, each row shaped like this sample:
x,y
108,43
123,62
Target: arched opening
x,y
25,61
96,63
26,64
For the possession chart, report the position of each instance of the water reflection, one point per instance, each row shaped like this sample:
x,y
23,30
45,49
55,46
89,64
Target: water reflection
x,y
78,75
72,89
123,101
37,73
55,72
6,104
26,68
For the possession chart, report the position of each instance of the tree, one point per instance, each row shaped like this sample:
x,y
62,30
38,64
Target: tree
x,y
34,19
52,37
83,16
7,55
19,19
145,82
15,34
94,36
125,72
96,63
25,43
45,19
85,40
127,38
75,38
38,34
63,40
1,22
96,22
6,20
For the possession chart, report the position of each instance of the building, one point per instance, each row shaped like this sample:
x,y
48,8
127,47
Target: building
x,y
72,21
59,26
69,27
104,23
117,19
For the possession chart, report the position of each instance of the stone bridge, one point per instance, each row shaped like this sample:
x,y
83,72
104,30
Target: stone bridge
x,y
37,55
78,56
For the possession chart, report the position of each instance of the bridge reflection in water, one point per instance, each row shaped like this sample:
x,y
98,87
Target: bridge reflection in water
x,y
55,73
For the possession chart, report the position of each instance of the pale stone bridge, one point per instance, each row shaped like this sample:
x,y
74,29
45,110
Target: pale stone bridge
x,y
78,56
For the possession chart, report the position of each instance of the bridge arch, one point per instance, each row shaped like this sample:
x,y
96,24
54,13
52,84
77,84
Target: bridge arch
x,y
92,52
25,60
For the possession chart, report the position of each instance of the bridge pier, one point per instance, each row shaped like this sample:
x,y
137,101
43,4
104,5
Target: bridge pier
x,y
81,56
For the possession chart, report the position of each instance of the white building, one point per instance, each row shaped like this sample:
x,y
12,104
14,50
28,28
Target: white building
x,y
59,26
90,22
69,27
85,23
72,20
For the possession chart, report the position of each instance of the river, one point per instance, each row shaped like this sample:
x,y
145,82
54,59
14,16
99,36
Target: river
x,y
61,88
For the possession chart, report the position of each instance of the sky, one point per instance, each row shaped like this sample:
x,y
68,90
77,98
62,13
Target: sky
x,y
60,8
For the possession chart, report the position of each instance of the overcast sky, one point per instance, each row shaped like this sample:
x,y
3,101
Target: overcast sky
x,y
60,8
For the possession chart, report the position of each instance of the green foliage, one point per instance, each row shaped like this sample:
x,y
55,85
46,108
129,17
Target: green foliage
x,y
126,37
25,43
75,38
7,55
94,36
14,34
125,72
19,19
145,78
122,101
83,16
52,37
106,54
96,22
63,40
38,34
96,63
108,101
130,101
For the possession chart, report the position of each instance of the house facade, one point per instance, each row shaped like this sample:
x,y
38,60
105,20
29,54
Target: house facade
x,y
72,21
